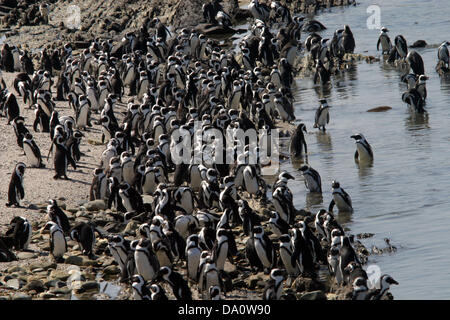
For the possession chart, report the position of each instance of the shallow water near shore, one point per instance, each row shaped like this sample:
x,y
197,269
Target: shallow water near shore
x,y
403,195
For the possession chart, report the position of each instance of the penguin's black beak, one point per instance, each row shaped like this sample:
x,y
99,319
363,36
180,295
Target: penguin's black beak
x,y
392,281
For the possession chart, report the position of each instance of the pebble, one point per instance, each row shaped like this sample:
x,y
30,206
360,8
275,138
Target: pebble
x,y
95,205
35,285
21,296
314,295
13,284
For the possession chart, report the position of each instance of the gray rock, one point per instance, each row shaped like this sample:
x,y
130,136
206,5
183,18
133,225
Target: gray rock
x,y
16,269
314,295
21,296
61,291
131,228
47,295
111,270
35,285
13,283
95,205
54,283
46,265
76,260
59,275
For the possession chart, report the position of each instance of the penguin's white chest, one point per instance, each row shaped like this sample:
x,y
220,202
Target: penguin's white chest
x,y
261,252
323,117
59,244
251,182
32,159
193,260
341,203
363,153
143,265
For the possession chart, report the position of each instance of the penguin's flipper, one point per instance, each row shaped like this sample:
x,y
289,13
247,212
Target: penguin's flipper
x,y
356,155
331,206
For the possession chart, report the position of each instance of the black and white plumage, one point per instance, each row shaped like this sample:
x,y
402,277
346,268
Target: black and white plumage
x,y
158,293
360,290
322,116
414,99
297,145
140,289
277,224
20,230
263,247
274,286
119,249
385,283
443,54
32,152
179,286
385,41
415,62
286,251
84,234
312,178
340,198
16,191
58,244
363,151
147,264
57,215
401,46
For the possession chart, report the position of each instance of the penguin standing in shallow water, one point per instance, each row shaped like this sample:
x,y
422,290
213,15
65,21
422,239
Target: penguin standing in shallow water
x,y
340,198
16,191
322,115
385,41
312,178
297,145
363,151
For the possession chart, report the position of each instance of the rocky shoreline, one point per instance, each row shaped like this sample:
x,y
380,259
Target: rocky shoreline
x,y
35,275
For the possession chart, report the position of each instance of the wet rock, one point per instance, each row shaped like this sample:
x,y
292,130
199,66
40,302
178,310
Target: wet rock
x,y
54,283
307,284
419,44
35,285
314,295
46,295
87,286
16,269
76,260
131,228
380,109
95,205
60,291
13,284
59,275
111,270
45,265
253,280
21,296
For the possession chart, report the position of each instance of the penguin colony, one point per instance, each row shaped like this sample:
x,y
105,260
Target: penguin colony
x,y
174,78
